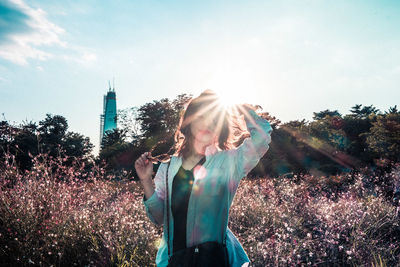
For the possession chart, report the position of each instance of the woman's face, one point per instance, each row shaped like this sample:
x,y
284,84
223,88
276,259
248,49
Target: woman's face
x,y
203,128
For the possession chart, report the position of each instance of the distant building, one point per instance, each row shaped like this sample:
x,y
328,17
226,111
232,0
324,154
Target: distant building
x,y
108,120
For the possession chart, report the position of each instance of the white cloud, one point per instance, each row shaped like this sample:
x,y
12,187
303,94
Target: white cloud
x,y
81,55
20,46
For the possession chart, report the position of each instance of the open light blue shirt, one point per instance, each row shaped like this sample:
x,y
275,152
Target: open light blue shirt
x,y
214,187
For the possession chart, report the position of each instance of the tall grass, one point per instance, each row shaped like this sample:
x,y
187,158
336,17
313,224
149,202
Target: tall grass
x,y
55,215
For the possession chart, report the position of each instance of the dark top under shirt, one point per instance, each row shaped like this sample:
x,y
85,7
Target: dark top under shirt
x,y
181,189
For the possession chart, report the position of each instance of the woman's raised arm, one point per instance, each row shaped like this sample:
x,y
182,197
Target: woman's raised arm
x,y
246,156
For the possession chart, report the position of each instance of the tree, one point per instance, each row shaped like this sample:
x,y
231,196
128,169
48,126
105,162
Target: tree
x,y
113,149
361,112
7,133
154,118
50,137
286,153
159,121
25,141
127,121
384,136
356,125
112,137
151,126
76,145
392,110
322,114
52,130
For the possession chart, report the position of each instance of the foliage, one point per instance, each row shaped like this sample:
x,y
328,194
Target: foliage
x,y
384,136
322,114
151,126
306,220
51,136
127,121
54,216
332,143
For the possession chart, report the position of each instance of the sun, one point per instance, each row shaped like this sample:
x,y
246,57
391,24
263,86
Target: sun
x,y
227,98
230,101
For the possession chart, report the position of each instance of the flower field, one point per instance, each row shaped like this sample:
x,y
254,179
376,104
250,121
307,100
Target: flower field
x,y
60,216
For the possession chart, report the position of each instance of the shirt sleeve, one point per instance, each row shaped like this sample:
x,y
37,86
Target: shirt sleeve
x,y
246,156
155,204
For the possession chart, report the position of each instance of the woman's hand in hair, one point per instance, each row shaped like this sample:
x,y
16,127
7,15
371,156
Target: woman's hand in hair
x,y
243,109
144,167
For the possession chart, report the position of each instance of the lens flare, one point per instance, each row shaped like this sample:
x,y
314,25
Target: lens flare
x,y
199,172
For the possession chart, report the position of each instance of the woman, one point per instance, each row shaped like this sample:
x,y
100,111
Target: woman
x,y
203,176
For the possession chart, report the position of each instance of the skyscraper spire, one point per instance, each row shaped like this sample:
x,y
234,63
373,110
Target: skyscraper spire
x,y
108,120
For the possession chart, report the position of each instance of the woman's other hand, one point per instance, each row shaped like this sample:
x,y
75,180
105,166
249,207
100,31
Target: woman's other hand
x,y
144,167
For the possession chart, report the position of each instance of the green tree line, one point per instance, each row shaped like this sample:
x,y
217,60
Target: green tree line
x,y
330,143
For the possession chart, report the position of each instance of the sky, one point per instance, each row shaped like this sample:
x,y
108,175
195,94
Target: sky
x,y
291,57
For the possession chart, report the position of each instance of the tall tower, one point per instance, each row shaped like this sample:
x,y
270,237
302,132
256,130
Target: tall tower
x,y
108,120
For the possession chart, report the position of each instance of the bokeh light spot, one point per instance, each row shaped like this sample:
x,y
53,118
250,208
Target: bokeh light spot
x,y
199,172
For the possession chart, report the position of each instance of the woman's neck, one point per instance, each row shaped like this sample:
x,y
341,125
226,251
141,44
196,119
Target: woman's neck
x,y
195,156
